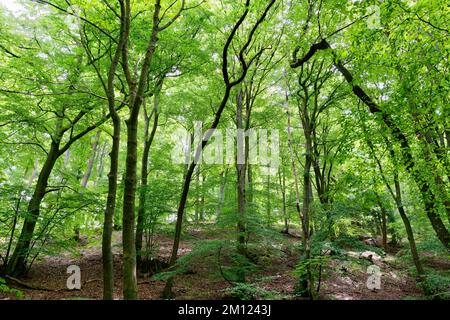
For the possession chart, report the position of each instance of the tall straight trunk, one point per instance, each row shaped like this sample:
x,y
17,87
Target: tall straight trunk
x,y
17,265
383,222
407,224
107,256
240,182
282,184
148,141
128,217
249,189
221,196
268,203
90,166
66,158
202,198
137,89
306,211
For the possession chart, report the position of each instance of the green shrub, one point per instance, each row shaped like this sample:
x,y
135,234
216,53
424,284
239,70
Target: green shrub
x,y
436,286
246,291
4,288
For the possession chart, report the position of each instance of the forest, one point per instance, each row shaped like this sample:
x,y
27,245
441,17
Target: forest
x,y
224,149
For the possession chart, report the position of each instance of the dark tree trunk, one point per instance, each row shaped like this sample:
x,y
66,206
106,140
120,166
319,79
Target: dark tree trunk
x,y
128,218
221,198
17,265
107,256
282,183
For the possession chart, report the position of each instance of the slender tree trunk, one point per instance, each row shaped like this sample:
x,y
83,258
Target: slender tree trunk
x,y
268,203
383,222
197,195
137,88
307,207
17,265
294,167
240,183
221,198
202,198
34,173
90,166
148,140
107,255
128,218
282,183
100,166
407,224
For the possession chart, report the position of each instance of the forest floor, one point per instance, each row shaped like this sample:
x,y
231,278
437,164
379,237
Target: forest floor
x,y
344,279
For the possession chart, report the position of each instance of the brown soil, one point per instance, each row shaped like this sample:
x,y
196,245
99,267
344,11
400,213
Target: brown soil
x,y
204,282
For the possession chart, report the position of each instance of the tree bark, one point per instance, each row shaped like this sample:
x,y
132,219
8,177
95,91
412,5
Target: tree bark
x,y
17,265
148,140
90,166
107,255
383,222
240,183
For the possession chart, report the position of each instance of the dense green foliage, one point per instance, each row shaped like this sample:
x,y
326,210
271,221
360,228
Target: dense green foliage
x,y
358,92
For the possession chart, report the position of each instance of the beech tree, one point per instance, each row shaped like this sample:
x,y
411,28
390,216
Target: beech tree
x,y
252,149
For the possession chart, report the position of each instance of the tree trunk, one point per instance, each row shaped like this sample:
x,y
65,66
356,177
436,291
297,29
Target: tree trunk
x,y
148,140
240,183
17,265
197,195
128,218
100,166
383,222
408,228
202,199
221,198
90,166
307,204
138,89
107,256
282,183
34,173
294,167
268,203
